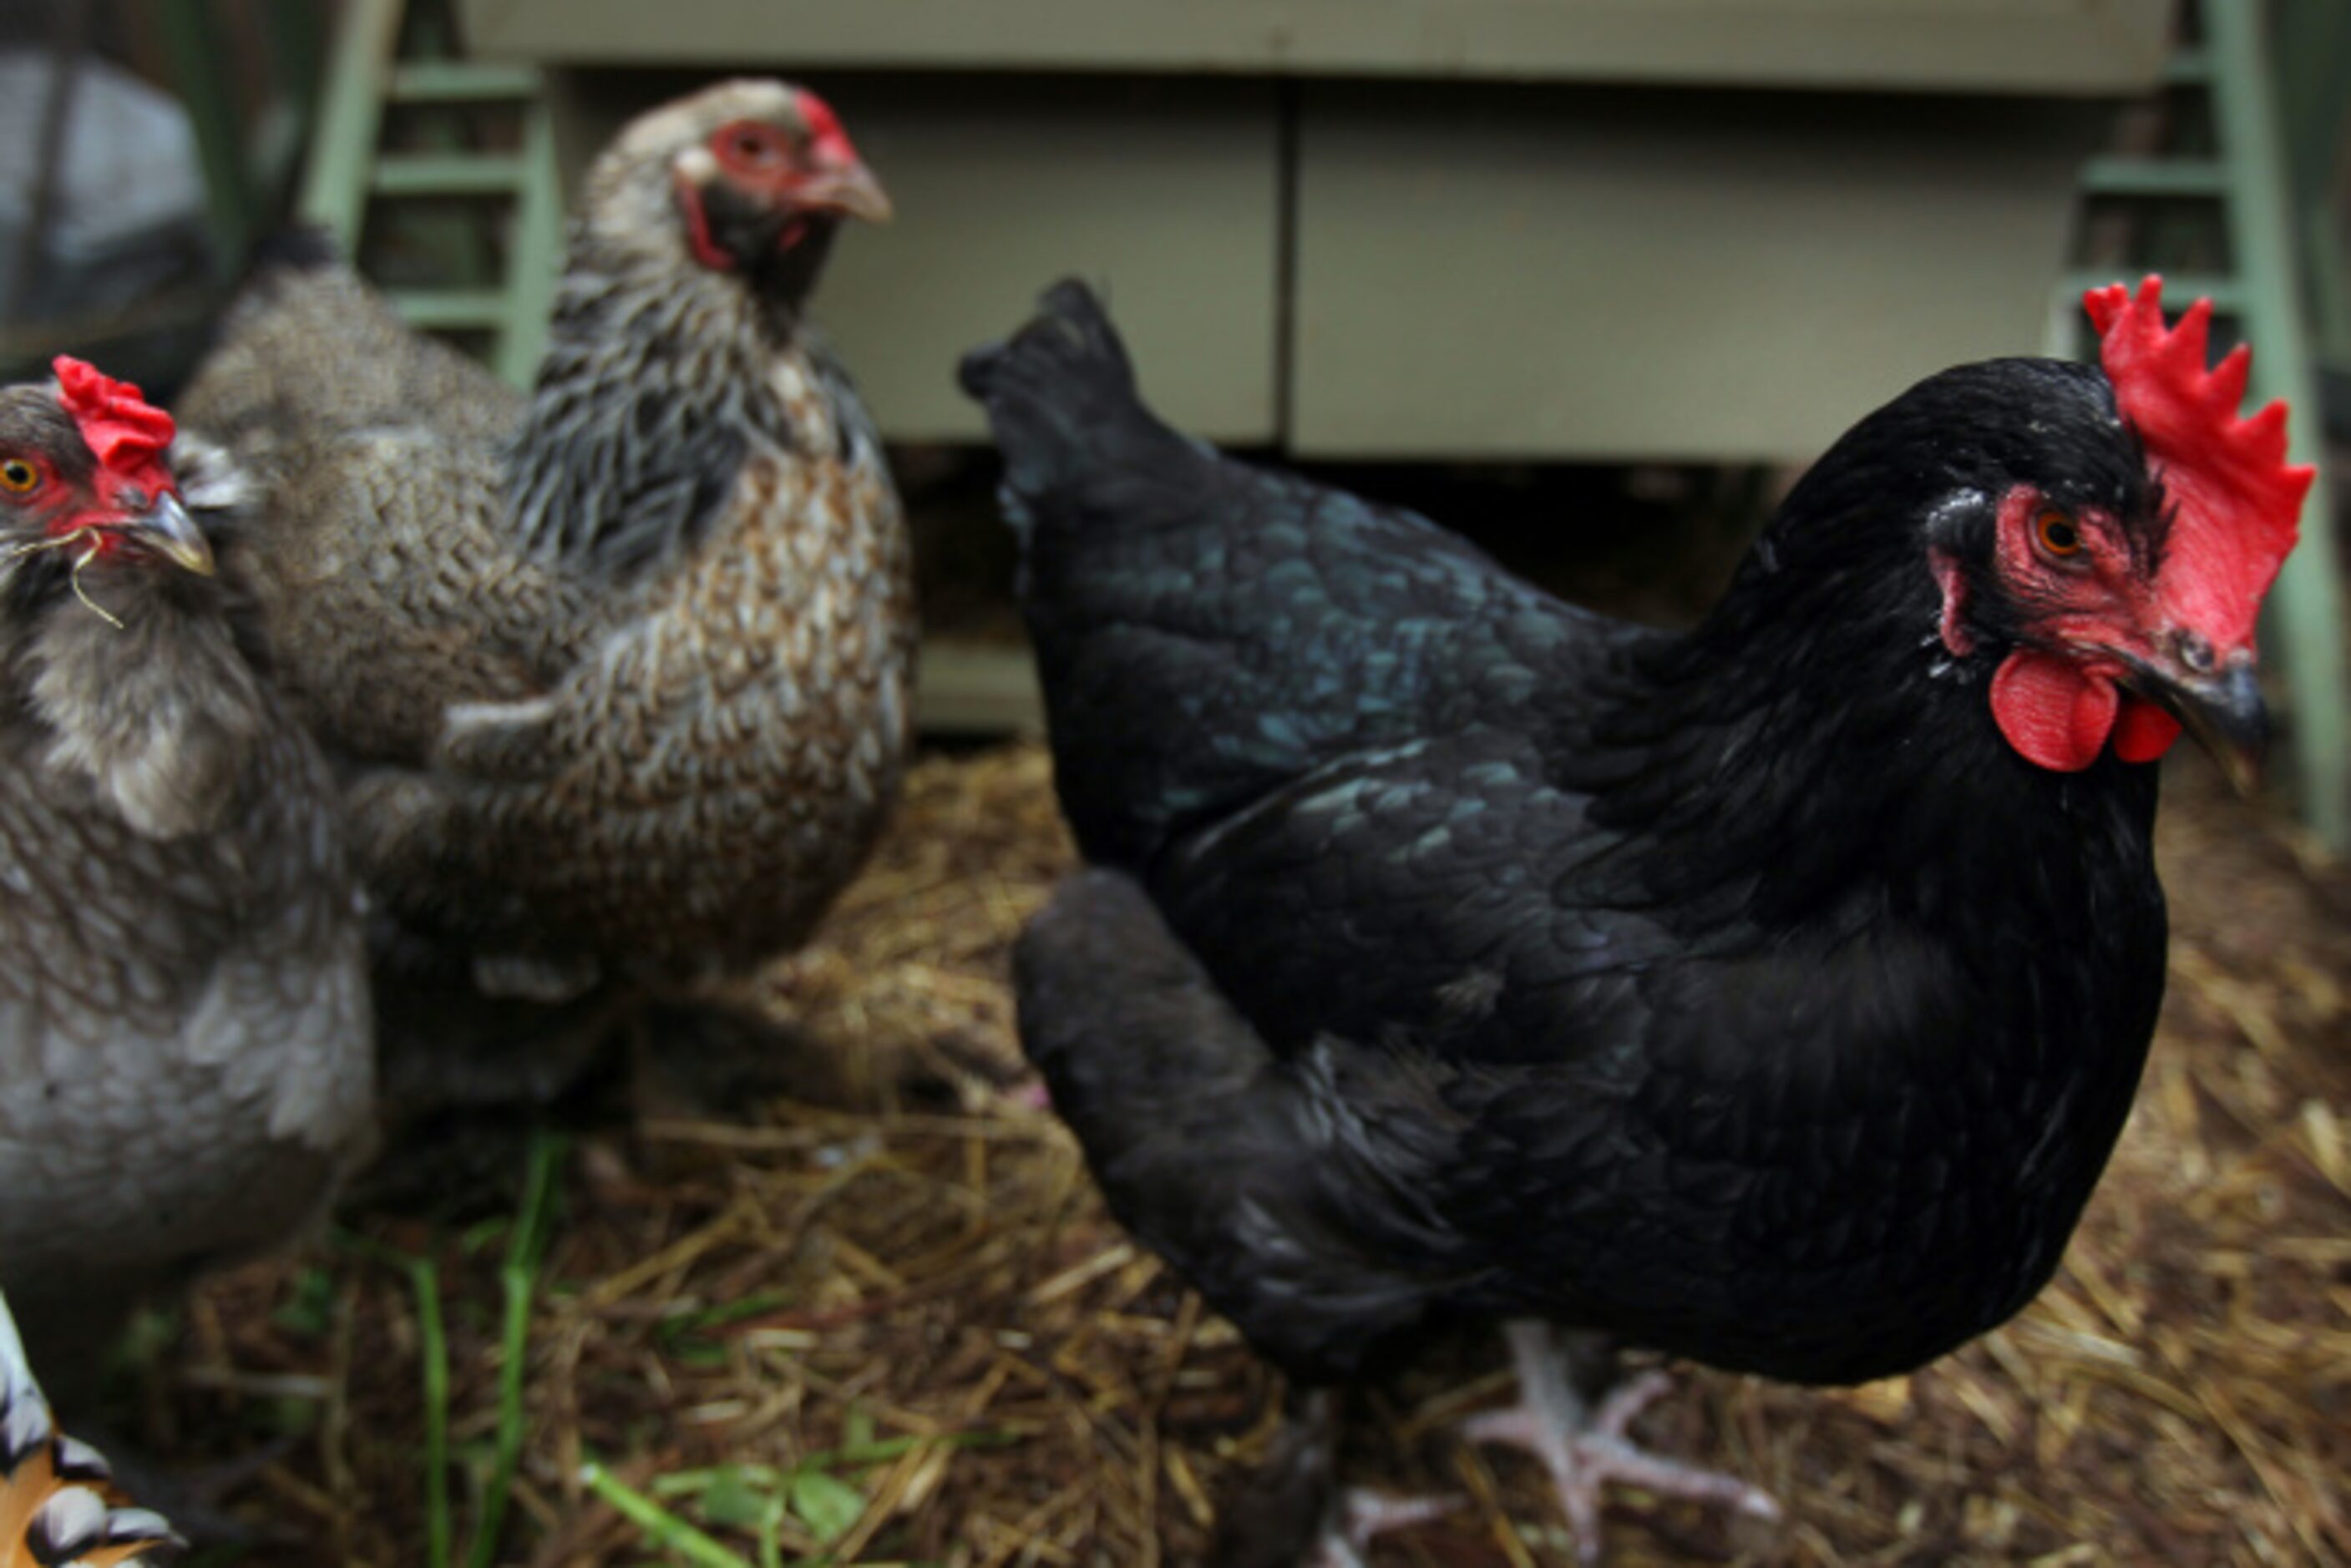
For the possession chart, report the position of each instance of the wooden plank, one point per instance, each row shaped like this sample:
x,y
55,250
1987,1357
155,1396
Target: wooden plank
x,y
462,81
452,310
447,174
978,688
342,148
2205,179
1530,273
535,256
2306,606
2107,48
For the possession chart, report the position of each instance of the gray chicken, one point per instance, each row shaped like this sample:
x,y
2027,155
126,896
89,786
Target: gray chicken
x,y
186,1046
618,673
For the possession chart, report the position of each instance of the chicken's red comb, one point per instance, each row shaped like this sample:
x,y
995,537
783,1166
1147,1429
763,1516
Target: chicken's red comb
x,y
123,430
826,133
2239,502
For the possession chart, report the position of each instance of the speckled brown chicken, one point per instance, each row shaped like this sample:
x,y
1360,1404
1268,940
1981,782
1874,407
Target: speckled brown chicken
x,y
185,1056
621,671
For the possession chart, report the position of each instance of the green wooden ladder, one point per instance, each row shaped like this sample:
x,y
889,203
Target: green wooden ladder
x,y
353,180
2244,179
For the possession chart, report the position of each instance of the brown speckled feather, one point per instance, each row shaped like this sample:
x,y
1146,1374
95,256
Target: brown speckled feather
x,y
623,676
728,749
386,581
310,349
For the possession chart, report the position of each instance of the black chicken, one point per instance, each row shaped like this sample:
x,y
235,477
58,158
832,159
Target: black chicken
x,y
1770,996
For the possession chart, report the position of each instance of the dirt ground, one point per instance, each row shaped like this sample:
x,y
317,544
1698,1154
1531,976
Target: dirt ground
x,y
887,1319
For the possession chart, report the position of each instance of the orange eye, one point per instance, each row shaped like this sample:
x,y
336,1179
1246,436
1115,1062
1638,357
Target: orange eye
x,y
17,476
2058,534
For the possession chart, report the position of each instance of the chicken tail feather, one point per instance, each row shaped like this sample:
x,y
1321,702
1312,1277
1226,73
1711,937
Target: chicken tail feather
x,y
1203,1142
1061,400
305,247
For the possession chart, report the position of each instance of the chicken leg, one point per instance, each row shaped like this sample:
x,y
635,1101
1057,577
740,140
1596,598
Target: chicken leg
x,y
1293,1513
1361,1516
1584,1445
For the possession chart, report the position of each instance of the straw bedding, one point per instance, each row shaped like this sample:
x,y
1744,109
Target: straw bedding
x,y
886,1319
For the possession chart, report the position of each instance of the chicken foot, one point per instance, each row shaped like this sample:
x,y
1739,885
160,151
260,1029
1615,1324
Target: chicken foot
x,y
1293,1513
1359,1516
1584,1444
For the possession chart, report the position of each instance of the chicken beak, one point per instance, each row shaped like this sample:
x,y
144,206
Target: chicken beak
x,y
850,188
166,528
2222,708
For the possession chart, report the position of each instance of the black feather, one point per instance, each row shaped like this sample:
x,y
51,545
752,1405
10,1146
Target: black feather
x,y
305,247
1742,994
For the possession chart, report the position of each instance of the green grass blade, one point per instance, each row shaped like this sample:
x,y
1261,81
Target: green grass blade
x,y
519,1280
662,1527
434,1347
536,1214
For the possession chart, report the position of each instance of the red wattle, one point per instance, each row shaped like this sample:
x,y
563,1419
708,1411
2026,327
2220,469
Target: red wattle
x,y
2145,732
698,228
2055,716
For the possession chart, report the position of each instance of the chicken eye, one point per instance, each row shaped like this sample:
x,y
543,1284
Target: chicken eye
x,y
17,476
2058,534
751,147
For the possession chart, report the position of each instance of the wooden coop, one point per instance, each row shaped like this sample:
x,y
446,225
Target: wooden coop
x,y
1582,231
1462,230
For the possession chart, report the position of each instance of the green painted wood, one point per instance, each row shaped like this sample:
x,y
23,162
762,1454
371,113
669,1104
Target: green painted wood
x,y
342,148
2200,179
2093,47
2306,604
505,296
452,309
463,81
408,174
534,251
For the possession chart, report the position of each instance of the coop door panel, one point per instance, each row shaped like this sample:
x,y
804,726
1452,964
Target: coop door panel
x,y
1554,272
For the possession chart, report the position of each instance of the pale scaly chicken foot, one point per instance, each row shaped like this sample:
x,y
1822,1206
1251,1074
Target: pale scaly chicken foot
x,y
1583,1444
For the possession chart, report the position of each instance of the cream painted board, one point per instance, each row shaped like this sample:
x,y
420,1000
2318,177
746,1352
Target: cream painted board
x,y
2092,46
1619,274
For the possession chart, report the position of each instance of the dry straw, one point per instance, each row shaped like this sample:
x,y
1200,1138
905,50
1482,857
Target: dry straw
x,y
886,1320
